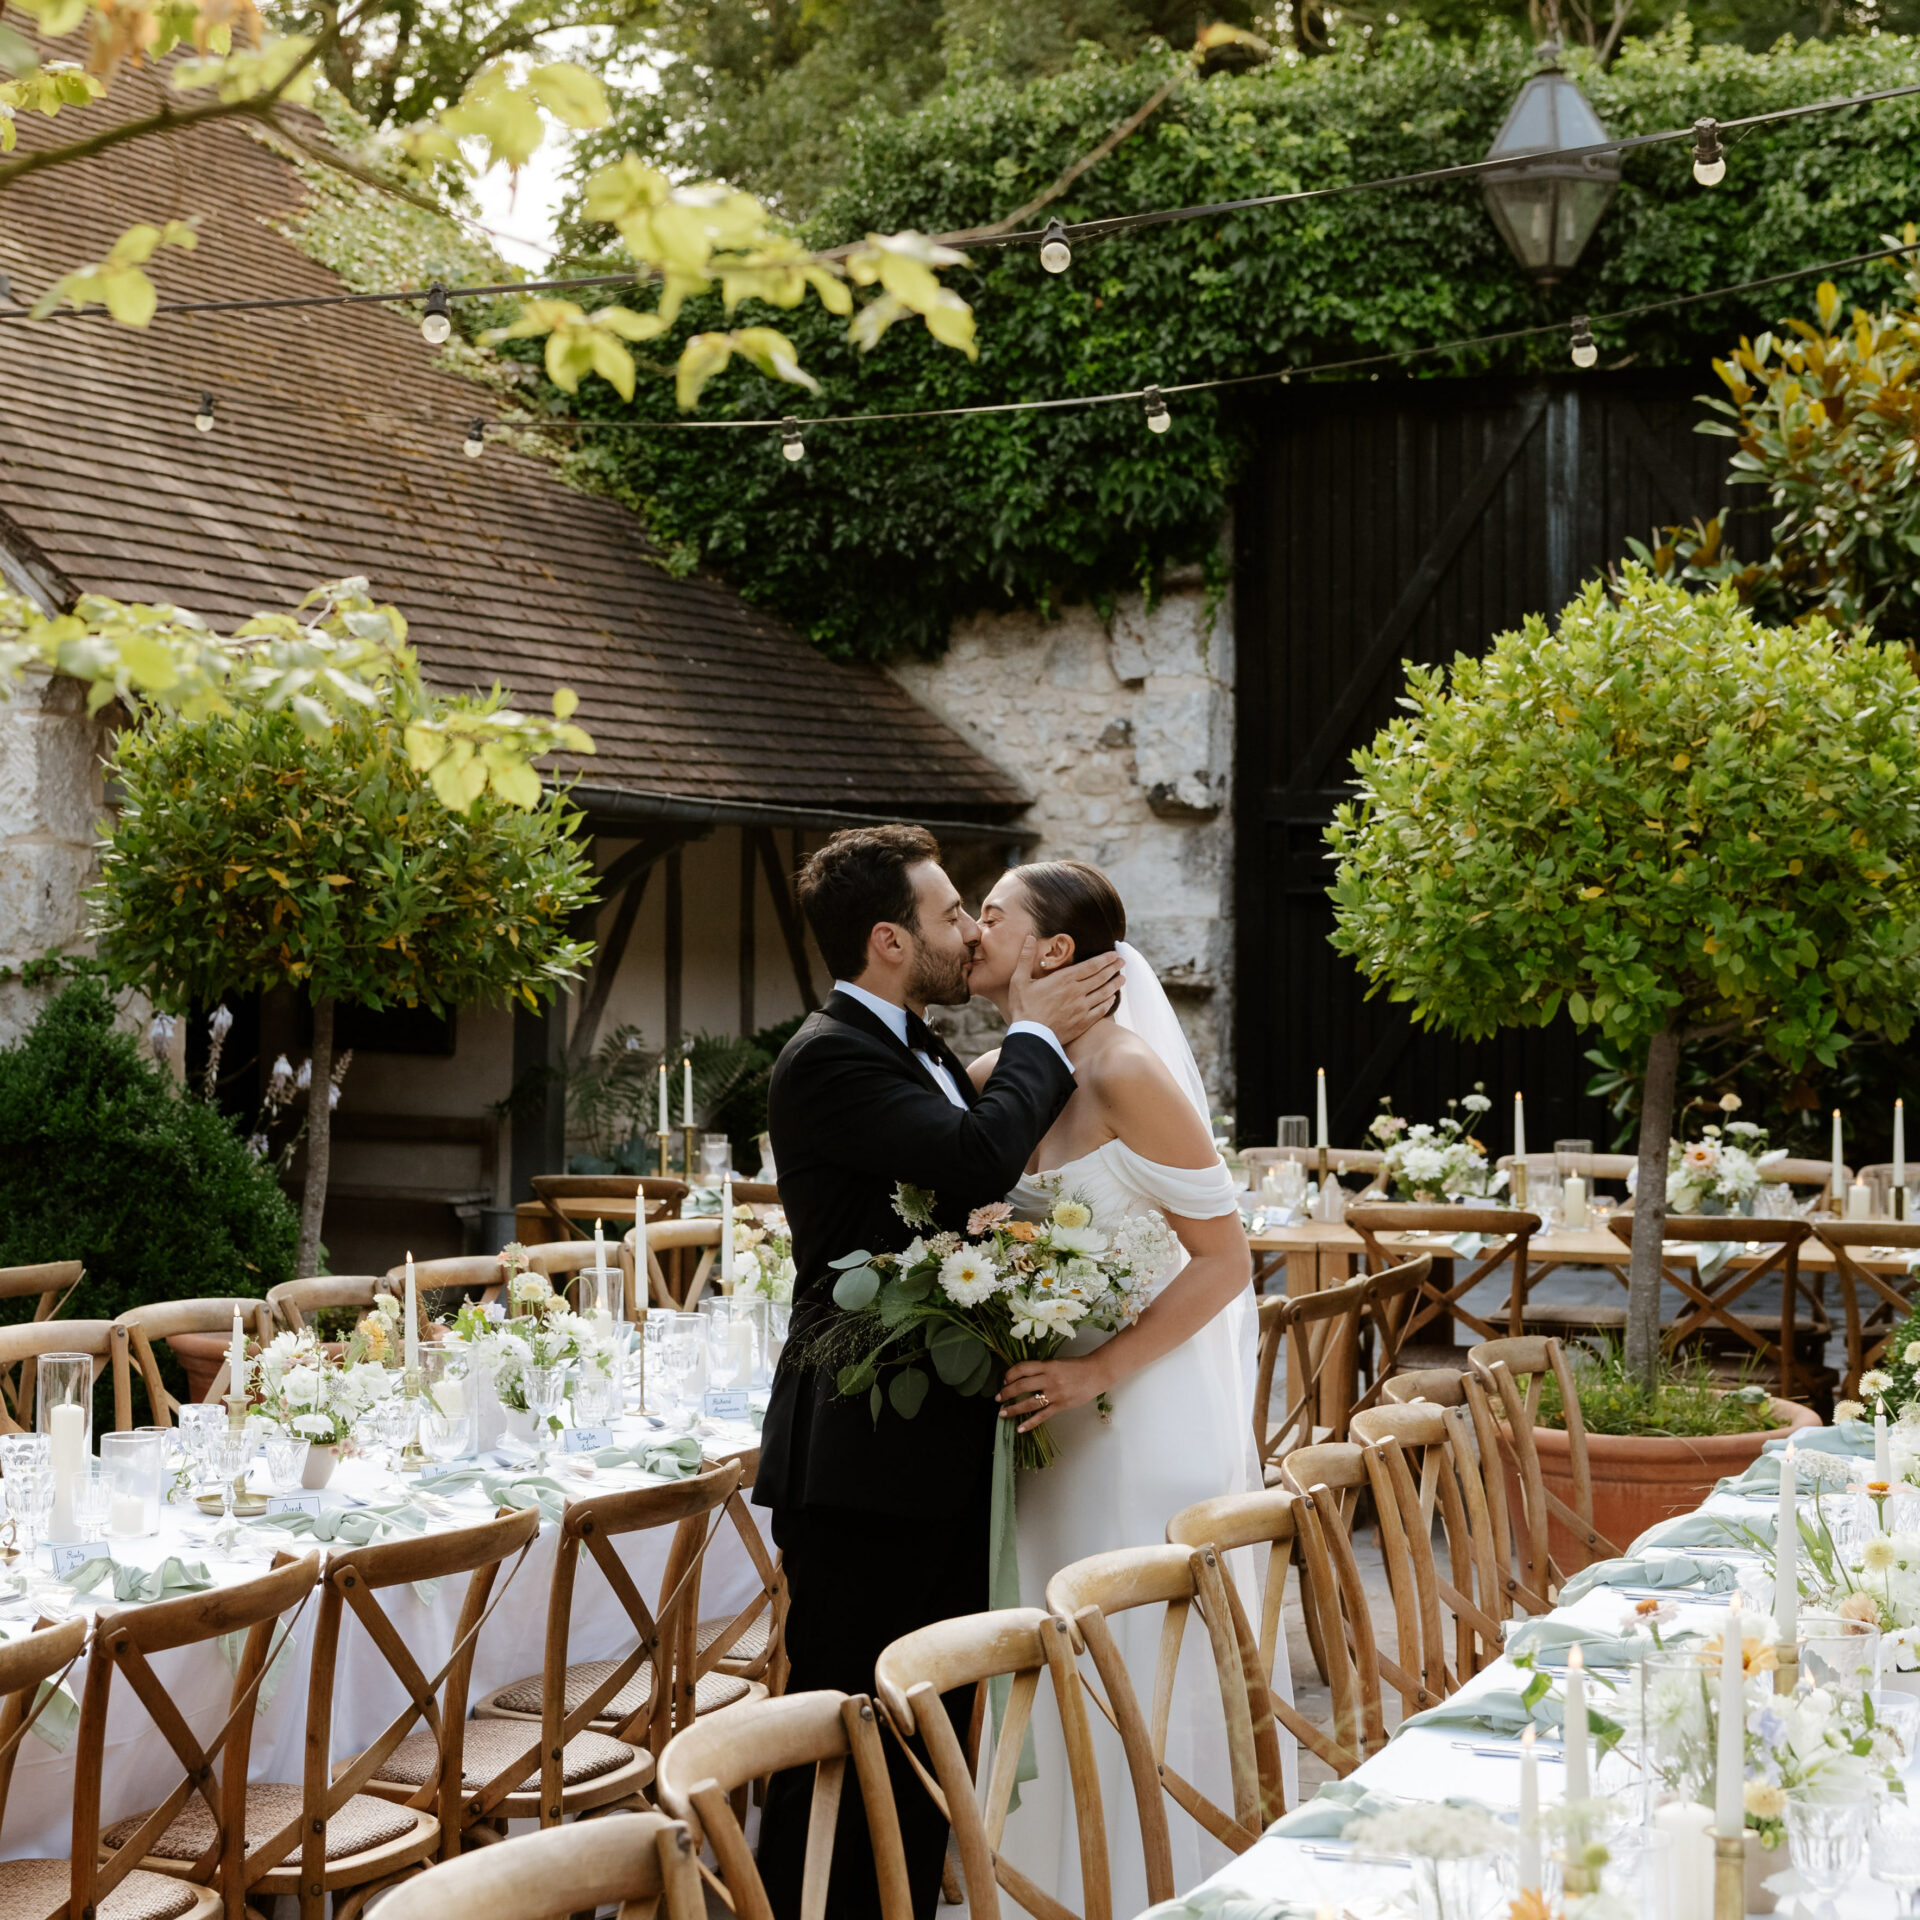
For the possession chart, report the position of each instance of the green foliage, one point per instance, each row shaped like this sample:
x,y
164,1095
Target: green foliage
x,y
1686,1402
247,856
1662,814
1901,1365
614,1096
1827,422
883,533
104,1160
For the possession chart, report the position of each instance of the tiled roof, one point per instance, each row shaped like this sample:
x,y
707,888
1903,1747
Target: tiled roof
x,y
338,452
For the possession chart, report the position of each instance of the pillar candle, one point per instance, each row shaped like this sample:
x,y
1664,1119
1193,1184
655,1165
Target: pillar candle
x,y
451,1397
237,1357
410,1307
1573,1203
1838,1156
1530,1875
1899,1143
1730,1772
1320,1112
67,1428
1691,1875
1882,1445
686,1091
740,1353
726,1233
1576,1730
1859,1202
1786,1551
666,1119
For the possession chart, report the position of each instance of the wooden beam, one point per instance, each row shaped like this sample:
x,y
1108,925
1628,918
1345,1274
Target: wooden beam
x,y
748,888
606,963
788,915
676,942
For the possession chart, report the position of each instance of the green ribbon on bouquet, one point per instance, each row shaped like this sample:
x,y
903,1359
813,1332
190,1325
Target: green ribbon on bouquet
x,y
1003,1587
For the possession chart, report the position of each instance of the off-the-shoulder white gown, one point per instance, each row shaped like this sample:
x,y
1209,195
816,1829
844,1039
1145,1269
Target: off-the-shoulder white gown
x,y
1181,1431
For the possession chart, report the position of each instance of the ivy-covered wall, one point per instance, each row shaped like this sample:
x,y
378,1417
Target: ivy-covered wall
x,y
883,534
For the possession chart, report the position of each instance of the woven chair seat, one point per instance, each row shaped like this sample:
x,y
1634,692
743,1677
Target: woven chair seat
x,y
491,1745
750,1646
712,1692
32,1889
362,1823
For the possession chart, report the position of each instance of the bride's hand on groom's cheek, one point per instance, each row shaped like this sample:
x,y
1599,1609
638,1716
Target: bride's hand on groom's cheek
x,y
1067,1000
1035,1390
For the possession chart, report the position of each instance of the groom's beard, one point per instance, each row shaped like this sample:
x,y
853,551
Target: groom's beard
x,y
939,980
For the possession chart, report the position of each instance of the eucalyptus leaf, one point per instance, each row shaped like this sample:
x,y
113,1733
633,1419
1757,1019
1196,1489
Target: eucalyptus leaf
x,y
897,1306
873,1403
847,1260
855,1289
981,1379
956,1353
907,1392
855,1375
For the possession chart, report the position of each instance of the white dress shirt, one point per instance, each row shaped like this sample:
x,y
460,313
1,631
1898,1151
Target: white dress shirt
x,y
895,1018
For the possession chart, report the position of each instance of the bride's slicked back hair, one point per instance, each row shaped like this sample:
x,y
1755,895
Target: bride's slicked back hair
x,y
1070,897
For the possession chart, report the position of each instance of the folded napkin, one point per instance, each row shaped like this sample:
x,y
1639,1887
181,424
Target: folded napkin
x,y
351,1526
1230,1903
1705,1530
1338,1803
1658,1568
1814,1471
1855,1439
676,1459
1551,1635
142,1584
700,1203
1496,1710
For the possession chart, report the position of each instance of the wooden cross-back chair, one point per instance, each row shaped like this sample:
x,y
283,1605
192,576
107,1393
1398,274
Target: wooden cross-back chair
x,y
292,1302
1555,1540
41,1888
342,1832
1710,1305
1421,1460
21,1348
1091,1593
752,1643
641,1865
682,1256
205,1841
1509,1227
1021,1643
476,1276
571,1199
49,1285
564,1261
1874,1305
135,1331
645,1698
707,1764
1302,1338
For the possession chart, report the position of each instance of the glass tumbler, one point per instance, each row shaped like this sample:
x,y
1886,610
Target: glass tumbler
x,y
1825,1841
135,1468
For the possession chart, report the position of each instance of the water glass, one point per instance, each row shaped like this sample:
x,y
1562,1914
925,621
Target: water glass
x,y
92,1501
135,1466
1825,1840
286,1458
1899,1713
29,1491
1893,1849
677,1367
1838,1653
716,1156
1469,1886
199,1424
546,1392
1292,1131
393,1424
592,1398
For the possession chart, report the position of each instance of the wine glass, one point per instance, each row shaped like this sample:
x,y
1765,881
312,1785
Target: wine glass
x,y
286,1457
229,1453
93,1501
393,1422
445,1426
199,1422
592,1398
29,1490
546,1391
1824,1841
1893,1848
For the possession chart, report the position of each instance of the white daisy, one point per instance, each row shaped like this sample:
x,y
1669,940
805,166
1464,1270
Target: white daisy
x,y
968,1277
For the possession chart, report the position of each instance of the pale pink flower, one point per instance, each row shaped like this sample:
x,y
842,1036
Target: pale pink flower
x,y
985,1219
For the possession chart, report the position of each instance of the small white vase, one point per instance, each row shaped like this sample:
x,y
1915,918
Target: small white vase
x,y
489,1417
517,1424
319,1467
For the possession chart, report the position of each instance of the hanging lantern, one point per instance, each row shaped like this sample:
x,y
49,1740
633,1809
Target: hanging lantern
x,y
1547,212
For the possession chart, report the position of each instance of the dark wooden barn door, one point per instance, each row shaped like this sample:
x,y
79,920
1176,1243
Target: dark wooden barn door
x,y
1411,521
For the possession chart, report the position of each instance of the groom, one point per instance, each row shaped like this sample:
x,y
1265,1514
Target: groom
x,y
883,1524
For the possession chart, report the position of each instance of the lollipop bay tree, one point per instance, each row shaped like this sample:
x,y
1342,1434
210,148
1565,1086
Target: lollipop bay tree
x,y
1661,816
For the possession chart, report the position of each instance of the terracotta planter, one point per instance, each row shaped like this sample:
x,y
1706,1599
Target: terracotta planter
x,y
1639,1479
202,1355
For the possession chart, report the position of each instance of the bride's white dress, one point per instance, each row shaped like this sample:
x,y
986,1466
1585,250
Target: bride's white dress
x,y
1181,1431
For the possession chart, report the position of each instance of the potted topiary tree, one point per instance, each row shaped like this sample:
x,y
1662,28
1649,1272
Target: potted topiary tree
x,y
1662,817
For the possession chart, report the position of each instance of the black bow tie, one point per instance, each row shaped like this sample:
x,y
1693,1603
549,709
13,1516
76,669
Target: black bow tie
x,y
921,1038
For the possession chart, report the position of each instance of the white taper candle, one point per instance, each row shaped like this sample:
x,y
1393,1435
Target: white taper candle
x,y
1730,1772
1786,1553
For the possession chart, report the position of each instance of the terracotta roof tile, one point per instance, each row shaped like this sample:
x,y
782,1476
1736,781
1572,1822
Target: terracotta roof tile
x,y
338,451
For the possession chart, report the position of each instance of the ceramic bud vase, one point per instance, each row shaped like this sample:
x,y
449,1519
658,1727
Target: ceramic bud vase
x,y
321,1462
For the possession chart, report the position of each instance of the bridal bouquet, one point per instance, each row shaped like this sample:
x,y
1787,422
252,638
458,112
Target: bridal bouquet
x,y
1435,1163
295,1382
970,1306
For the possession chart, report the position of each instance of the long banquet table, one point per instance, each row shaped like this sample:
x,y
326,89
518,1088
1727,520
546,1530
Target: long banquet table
x,y
1436,1763
140,1768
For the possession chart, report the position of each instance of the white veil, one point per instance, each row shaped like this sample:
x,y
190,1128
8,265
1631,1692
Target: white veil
x,y
1146,1010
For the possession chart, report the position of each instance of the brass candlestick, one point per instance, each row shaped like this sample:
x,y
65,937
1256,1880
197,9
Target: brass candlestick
x,y
1517,1183
1729,1877
1786,1670
1900,1203
245,1505
665,1139
413,1456
691,1134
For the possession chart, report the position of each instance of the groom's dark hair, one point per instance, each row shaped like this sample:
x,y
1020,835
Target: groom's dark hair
x,y
857,880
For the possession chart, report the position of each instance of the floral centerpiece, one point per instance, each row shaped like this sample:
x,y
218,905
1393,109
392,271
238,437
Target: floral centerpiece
x,y
1721,1171
970,1306
762,1258
1435,1163
541,1330
297,1383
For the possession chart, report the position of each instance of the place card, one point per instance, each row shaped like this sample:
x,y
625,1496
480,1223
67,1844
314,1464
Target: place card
x,y
585,1439
67,1561
726,1403
294,1502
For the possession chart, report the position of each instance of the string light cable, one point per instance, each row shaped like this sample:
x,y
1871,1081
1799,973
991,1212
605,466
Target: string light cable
x,y
1056,239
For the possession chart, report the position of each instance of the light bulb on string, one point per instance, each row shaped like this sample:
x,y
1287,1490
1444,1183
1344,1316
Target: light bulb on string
x,y
1158,418
792,447
203,414
1055,254
475,443
1585,353
1709,157
437,322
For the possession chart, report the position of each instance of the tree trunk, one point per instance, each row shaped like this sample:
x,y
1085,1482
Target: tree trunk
x,y
1650,1204
313,1203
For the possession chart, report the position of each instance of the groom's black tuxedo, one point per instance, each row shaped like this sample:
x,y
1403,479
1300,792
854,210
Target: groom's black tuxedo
x,y
883,1525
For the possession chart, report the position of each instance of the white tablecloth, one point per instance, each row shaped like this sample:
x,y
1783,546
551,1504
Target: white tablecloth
x,y
140,1767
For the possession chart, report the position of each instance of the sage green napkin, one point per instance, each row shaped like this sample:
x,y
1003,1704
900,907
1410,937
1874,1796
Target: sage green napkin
x,y
142,1584
1705,1530
676,1459
1548,1636
1338,1803
1854,1440
359,1527
59,1719
1497,1710
1659,1568
1814,1471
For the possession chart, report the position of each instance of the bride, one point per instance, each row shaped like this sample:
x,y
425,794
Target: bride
x,y
1135,1135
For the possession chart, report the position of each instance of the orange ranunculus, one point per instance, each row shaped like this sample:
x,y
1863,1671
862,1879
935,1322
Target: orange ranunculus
x,y
1023,1230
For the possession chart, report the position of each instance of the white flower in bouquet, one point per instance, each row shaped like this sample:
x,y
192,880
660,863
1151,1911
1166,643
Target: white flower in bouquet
x,y
1426,1830
1715,1169
1432,1162
528,1289
1071,1215
968,1276
1037,1314
301,1386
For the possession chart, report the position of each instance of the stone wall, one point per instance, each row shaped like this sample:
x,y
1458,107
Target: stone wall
x,y
51,802
1123,732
